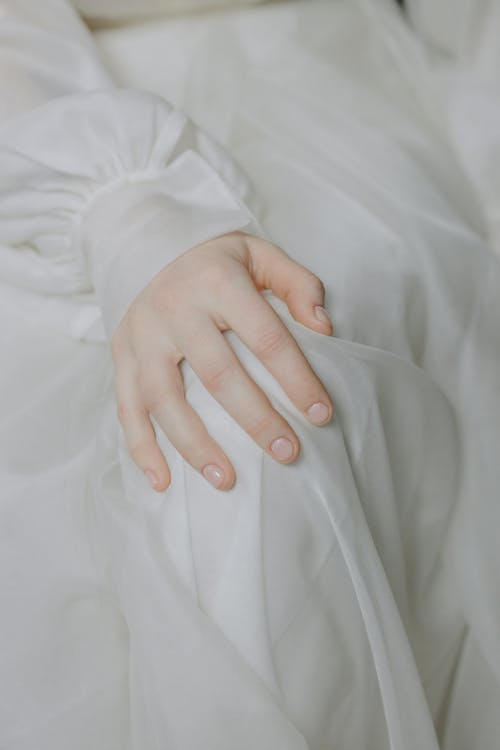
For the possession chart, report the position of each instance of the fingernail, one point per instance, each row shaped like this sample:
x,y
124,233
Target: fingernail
x,y
318,412
153,479
322,315
282,448
213,474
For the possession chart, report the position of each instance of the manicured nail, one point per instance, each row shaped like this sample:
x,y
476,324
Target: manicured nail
x,y
282,448
213,474
318,412
322,315
153,479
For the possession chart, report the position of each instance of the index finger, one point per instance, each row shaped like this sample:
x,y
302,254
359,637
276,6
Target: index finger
x,y
261,329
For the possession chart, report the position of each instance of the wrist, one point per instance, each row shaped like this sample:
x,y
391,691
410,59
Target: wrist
x,y
133,228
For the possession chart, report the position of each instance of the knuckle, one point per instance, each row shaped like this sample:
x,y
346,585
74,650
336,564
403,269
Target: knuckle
x,y
272,341
154,392
155,399
217,275
137,319
262,426
316,283
168,298
140,451
216,377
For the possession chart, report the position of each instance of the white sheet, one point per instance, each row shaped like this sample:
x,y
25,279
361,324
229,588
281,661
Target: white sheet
x,y
351,600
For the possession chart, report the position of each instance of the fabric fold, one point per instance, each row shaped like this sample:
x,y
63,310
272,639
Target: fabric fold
x,y
115,184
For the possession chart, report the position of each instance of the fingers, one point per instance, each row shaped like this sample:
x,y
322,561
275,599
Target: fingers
x,y
139,434
162,390
302,290
259,327
153,337
217,366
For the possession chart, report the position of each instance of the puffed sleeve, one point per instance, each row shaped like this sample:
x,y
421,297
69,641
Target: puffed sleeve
x,y
103,186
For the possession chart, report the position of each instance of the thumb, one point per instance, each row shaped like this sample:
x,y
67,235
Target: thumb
x,y
301,290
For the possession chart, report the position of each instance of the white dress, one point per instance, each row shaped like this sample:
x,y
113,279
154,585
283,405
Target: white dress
x,y
352,599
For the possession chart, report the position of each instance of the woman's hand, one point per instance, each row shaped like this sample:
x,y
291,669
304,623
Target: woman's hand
x,y
181,314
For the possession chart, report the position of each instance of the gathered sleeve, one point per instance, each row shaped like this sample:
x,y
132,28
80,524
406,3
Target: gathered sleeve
x,y
100,187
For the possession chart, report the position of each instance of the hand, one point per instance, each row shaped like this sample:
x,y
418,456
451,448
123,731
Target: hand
x,y
182,313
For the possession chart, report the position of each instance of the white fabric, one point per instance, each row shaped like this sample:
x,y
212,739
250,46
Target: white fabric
x,y
136,168
75,167
120,10
349,601
458,74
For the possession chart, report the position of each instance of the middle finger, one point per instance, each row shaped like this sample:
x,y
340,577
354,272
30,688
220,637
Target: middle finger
x,y
261,329
214,361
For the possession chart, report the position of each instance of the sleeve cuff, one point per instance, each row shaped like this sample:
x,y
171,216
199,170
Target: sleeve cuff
x,y
132,229
106,188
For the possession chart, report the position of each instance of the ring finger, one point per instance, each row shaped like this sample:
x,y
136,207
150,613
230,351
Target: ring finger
x,y
162,390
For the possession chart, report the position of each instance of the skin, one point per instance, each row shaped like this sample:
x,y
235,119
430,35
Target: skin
x,y
182,314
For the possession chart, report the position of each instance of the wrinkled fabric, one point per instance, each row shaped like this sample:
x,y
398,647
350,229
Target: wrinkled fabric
x,y
87,197
457,74
120,11
87,173
347,601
